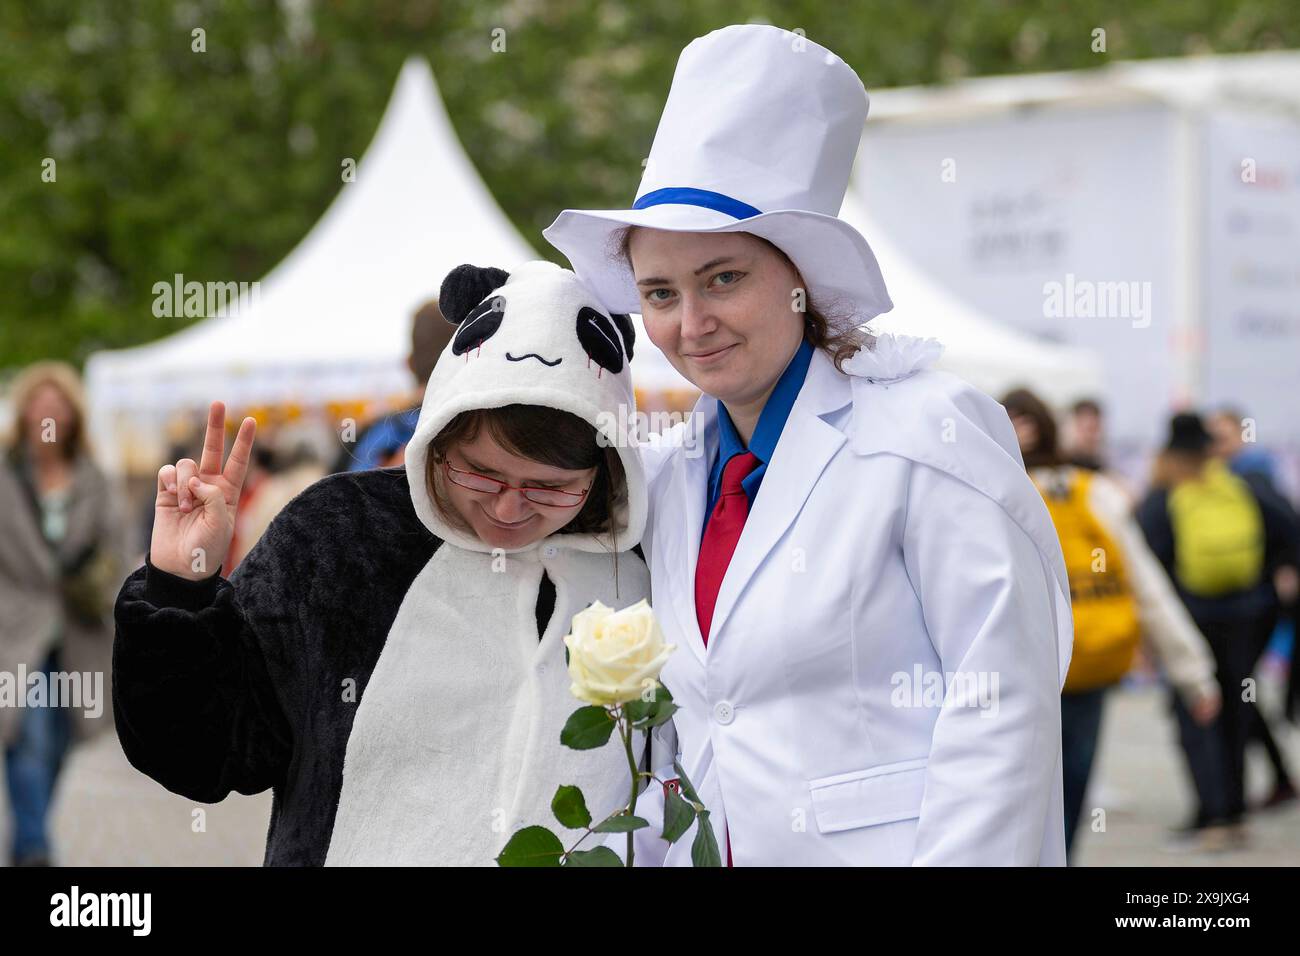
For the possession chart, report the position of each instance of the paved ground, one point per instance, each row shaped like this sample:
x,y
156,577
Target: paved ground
x,y
1141,784
107,813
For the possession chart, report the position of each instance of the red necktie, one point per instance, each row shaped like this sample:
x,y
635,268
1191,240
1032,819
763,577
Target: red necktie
x,y
726,521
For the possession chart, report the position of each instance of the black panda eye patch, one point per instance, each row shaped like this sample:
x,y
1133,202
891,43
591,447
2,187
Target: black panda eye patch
x,y
479,326
600,340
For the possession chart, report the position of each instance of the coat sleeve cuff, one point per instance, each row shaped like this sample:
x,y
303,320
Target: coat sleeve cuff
x,y
163,589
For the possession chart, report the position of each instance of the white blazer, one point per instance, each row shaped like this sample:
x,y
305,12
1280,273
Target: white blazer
x,y
896,539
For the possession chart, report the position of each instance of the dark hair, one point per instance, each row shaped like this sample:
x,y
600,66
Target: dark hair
x,y
430,333
546,435
1021,401
1188,436
1086,406
832,331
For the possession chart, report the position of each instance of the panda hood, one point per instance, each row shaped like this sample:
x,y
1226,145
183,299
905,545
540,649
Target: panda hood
x,y
537,336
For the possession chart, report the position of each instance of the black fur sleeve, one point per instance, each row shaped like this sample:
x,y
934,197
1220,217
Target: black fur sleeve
x,y
253,682
194,704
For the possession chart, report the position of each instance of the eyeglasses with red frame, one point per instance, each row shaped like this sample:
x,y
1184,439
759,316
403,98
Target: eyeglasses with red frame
x,y
551,497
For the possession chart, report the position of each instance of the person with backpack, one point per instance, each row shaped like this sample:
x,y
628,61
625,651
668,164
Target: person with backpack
x,y
1217,540
1257,468
1118,593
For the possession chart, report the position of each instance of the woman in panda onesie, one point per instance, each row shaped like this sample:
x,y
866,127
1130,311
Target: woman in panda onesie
x,y
389,657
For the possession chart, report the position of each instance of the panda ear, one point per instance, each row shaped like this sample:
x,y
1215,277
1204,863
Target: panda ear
x,y
626,329
465,287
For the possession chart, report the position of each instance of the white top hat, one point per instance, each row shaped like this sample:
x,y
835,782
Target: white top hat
x,y
758,135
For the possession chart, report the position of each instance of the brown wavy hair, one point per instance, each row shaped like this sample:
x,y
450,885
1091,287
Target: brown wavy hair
x,y
1045,453
546,435
827,328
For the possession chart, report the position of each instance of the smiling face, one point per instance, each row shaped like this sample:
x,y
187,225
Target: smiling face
x,y
509,520
719,306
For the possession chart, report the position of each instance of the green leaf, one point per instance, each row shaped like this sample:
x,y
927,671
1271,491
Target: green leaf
x,y
662,713
620,824
532,846
570,808
678,815
600,856
587,728
687,789
638,710
704,851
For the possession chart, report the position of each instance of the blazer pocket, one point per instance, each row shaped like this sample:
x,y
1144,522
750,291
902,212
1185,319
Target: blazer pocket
x,y
864,798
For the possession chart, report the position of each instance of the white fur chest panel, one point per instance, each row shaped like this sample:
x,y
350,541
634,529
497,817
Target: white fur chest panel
x,y
456,740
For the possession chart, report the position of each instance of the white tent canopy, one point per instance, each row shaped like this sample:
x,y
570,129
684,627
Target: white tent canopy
x,y
978,348
332,321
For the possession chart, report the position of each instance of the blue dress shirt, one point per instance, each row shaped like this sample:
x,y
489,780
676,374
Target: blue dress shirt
x,y
766,433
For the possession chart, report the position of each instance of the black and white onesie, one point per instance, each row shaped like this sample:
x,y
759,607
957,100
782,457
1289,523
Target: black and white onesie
x,y
397,683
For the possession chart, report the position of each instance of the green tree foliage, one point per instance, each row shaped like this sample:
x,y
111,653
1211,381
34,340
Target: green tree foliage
x,y
216,163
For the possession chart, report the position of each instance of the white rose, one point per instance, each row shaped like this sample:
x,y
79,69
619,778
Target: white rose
x,y
615,655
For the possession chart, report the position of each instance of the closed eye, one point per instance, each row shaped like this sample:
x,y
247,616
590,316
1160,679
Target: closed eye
x,y
490,473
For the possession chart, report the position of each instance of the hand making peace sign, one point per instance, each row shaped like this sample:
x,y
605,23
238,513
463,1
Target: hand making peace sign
x,y
194,514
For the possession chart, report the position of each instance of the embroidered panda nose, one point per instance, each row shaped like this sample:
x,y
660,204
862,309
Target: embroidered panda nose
x,y
601,341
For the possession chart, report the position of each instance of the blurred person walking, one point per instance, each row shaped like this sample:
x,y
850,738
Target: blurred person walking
x,y
1118,594
1085,445
1217,540
1228,427
1085,442
1257,467
382,442
62,560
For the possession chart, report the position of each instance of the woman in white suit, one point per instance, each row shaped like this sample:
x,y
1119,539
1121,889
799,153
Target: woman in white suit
x,y
868,594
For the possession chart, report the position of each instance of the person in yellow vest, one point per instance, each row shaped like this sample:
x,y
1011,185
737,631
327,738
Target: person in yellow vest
x,y
1118,593
1219,541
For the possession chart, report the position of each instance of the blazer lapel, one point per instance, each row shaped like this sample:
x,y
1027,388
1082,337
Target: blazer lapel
x,y
687,500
